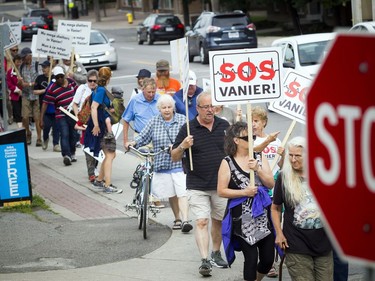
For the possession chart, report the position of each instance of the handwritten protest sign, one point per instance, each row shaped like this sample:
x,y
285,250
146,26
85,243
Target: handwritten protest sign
x,y
240,76
15,28
10,39
292,101
180,61
78,30
54,44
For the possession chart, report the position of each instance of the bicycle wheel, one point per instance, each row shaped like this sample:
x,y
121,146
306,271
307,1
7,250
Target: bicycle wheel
x,y
138,203
146,191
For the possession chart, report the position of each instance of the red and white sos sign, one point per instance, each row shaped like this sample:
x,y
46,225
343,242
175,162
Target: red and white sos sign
x,y
240,76
341,145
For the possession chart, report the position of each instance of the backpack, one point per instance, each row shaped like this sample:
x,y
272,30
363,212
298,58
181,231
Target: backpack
x,y
85,112
117,104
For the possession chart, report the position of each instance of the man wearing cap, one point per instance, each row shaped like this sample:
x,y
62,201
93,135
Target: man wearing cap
x,y
164,83
30,103
40,87
60,94
142,74
192,94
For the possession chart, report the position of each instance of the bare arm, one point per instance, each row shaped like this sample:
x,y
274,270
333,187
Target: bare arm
x,y
94,117
280,239
178,152
125,132
223,189
270,138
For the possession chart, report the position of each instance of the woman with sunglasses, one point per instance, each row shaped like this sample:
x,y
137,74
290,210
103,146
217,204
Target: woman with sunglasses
x,y
247,224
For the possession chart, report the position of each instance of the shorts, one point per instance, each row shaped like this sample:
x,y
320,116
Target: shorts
x,y
109,145
30,108
313,268
166,185
206,204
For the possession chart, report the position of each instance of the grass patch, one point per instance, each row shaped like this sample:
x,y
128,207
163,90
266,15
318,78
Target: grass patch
x,y
38,203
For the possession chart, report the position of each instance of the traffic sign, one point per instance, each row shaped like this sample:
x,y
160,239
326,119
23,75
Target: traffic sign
x,y
341,145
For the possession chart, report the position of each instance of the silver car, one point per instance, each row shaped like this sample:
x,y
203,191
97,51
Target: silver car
x,y
99,53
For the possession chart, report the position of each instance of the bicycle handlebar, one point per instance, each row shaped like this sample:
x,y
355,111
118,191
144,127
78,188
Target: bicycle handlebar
x,y
147,153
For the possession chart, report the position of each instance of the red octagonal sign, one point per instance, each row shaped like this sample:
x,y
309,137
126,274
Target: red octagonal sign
x,y
341,145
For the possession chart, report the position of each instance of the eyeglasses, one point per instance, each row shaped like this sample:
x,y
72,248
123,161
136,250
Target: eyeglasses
x,y
206,107
92,81
245,138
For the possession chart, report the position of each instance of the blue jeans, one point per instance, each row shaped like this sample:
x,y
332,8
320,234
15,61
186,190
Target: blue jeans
x,y
340,268
50,122
68,137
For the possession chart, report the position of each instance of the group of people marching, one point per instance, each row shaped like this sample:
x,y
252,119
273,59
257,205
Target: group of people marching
x,y
208,168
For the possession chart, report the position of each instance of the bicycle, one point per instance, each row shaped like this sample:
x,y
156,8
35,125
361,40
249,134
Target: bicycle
x,y
142,178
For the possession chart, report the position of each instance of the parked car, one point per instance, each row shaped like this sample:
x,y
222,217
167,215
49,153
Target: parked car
x,y
366,26
304,53
99,53
212,32
30,26
41,12
160,27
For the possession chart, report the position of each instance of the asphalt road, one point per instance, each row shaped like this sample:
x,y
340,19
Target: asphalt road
x,y
27,240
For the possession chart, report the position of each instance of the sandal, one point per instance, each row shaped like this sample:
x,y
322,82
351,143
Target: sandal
x,y
186,227
177,224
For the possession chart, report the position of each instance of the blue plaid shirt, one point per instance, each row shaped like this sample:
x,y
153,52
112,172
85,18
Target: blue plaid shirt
x,y
162,134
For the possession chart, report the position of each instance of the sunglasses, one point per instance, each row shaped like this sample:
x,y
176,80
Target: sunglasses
x,y
59,76
14,50
245,138
92,81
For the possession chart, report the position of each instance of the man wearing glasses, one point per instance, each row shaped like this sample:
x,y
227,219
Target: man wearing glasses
x,y
60,94
206,141
192,95
164,83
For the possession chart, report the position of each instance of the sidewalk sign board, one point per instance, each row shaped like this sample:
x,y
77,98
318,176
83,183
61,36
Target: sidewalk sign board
x,y
341,145
15,184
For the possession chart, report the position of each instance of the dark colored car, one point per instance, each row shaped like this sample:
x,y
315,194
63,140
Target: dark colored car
x,y
41,12
160,27
30,26
227,31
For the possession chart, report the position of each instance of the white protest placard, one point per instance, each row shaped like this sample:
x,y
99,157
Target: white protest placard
x,y
242,76
33,48
180,61
12,38
292,101
54,44
78,30
15,28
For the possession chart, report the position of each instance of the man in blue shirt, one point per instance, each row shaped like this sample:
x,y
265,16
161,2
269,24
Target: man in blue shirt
x,y
141,108
192,94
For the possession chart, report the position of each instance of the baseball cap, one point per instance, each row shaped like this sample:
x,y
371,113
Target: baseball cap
x,y
45,63
58,70
144,73
192,78
162,65
25,51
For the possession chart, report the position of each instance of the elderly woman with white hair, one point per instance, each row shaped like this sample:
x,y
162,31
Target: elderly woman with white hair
x,y
169,180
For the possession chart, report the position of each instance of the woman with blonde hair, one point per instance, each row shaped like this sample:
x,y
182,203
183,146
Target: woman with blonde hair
x,y
97,129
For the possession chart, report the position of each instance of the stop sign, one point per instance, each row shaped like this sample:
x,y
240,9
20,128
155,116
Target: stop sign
x,y
341,145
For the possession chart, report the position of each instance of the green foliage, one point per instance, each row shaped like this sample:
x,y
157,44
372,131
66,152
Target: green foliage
x,y
37,203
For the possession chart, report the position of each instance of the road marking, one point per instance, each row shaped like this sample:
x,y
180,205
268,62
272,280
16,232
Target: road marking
x,y
127,48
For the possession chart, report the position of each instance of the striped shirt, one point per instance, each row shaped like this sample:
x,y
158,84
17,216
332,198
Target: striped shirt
x,y
207,153
162,134
60,96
